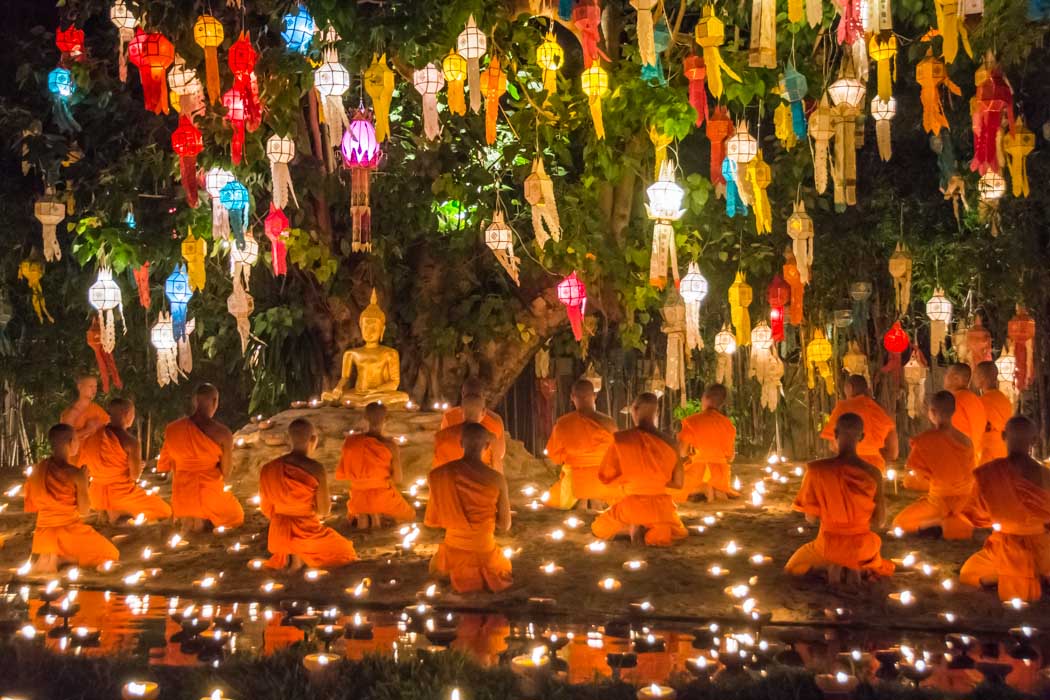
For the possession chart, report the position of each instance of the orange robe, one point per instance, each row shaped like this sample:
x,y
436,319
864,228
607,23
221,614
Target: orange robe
x,y
448,446
579,443
52,495
288,497
970,419
111,486
997,410
1016,556
466,509
93,412
197,486
843,497
642,463
713,439
366,464
877,425
947,465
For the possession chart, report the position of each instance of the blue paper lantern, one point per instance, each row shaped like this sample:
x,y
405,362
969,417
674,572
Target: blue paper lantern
x,y
177,289
734,203
62,87
299,30
234,198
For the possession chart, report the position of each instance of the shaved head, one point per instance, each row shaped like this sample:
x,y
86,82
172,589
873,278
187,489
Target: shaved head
x,y
302,435
646,409
474,438
849,431
856,385
60,435
375,414
1020,435
942,408
206,399
957,377
471,385
714,396
473,408
583,394
87,386
121,412
987,375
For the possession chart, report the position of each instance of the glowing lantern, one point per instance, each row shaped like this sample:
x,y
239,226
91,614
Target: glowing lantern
x,y
280,150
950,26
235,199
1018,144
472,44
696,72
276,227
332,80
762,52
978,342
208,33
595,82
141,276
931,74
62,87
719,128
821,131
778,294
883,111
177,290
819,353
187,143
549,57
793,87
740,297
587,16
243,259
1021,331
883,50
241,59
573,294
107,366
1007,366
766,366
454,68
800,230
991,188
104,296
539,193
741,147
152,53
50,212
240,305
664,206
163,339
711,34
125,22
939,311
186,86
759,175
798,290
195,253
895,341
379,84
915,372
361,155
500,239
214,180
70,42
673,312
493,85
299,30
993,101
855,361
237,116
847,96
900,270
693,288
725,347
428,82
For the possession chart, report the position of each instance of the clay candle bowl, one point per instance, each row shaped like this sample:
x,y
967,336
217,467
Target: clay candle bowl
x,y
888,659
916,672
960,646
531,672
994,673
293,606
229,623
305,622
555,642
701,667
85,636
438,634
327,634
318,664
618,661
836,686
656,692
358,628
193,626
649,643
1023,649
140,690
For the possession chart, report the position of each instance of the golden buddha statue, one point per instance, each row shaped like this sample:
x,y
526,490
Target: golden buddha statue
x,y
377,367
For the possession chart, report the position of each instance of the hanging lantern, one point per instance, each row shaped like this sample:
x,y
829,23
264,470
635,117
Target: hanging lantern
x,y
187,143
1007,366
900,270
454,68
895,341
851,23
500,239
152,53
939,311
793,87
141,276
741,147
951,27
163,339
241,59
653,73
361,155
673,312
70,42
883,112
821,131
61,85
759,175
237,116
573,294
379,84
883,50
693,288
472,45
740,297
186,87
195,253
209,35
280,150
587,16
847,96
992,103
595,82
177,289
696,73
276,227
125,22
991,188
644,25
798,290
235,199
766,366
915,373
800,230
931,74
242,260
978,343
299,30
214,180
185,350
32,271
725,347
332,80
240,305
104,296
550,57
719,128
855,361
778,294
493,85
1018,144
711,34
107,366
763,50
783,128
539,193
50,212
860,293
664,207
428,82
1021,331
733,188
819,354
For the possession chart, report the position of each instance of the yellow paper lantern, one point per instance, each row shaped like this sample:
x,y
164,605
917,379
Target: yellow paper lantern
x,y
454,67
595,84
740,298
550,57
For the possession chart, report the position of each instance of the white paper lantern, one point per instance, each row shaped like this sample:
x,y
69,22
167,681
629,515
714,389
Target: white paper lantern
x,y
693,289
849,91
104,295
214,180
280,150
163,339
665,196
762,337
939,311
472,45
741,147
428,81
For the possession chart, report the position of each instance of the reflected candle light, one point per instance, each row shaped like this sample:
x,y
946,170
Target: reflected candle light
x,y
140,690
656,691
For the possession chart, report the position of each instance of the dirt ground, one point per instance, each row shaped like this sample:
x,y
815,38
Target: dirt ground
x,y
675,581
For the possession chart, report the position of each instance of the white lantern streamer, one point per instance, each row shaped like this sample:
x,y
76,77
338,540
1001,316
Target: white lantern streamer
x,y
242,260
240,304
125,22
693,289
499,237
428,82
664,206
163,338
104,295
725,348
939,311
214,180
281,151
472,45
539,193
766,366
50,212
185,350
332,80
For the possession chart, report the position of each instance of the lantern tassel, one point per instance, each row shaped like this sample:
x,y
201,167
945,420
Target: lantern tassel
x,y
167,368
126,35
474,83
798,118
178,320
796,11
814,12
141,277
457,102
211,74
185,355
724,369
432,125
882,136
282,185
550,83
107,366
336,121
237,225
596,116
360,210
646,42
220,221
698,99
237,142
188,171
693,339
64,115
664,252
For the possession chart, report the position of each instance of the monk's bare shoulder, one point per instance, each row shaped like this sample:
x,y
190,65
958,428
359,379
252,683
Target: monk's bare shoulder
x,y
871,470
607,422
828,463
215,430
960,437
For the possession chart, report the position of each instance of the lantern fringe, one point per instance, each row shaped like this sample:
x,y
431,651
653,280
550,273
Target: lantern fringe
x,y
431,123
360,210
282,185
767,368
64,116
188,172
664,253
185,350
211,74
220,221
336,122
141,276
814,12
167,367
693,339
237,225
125,36
509,261
724,369
882,136
698,99
456,100
596,116
763,50
565,10
474,83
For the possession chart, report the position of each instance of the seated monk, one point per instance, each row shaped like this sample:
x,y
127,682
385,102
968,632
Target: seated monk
x,y
469,500
490,420
85,416
114,462
578,442
880,444
197,452
448,442
646,463
970,418
293,494
997,410
371,462
845,493
1015,493
711,438
943,457
58,493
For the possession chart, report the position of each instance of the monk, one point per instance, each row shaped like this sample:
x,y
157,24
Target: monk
x,y
997,410
293,494
490,420
880,444
114,461
711,438
448,442
845,493
469,500
646,463
197,450
1015,493
58,493
85,415
371,462
578,442
943,457
970,418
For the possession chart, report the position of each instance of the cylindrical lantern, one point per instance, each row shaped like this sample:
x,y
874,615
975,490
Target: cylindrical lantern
x,y
778,294
939,311
573,294
208,33
693,288
472,45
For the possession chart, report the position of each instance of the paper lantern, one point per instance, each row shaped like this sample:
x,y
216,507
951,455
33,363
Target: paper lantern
x,y
950,26
280,151
379,84
1018,143
851,24
883,112
978,343
644,27
500,240
1021,331
70,42
243,259
860,293
819,353
125,22
793,87
50,212
472,45
710,33
931,74
587,16
741,147
208,34
664,206
428,82
778,294
719,128
740,297
299,30
895,341
241,59
162,337
234,100
141,276
847,95
332,80
214,180
991,188
821,131
361,155
693,288
107,366
900,270
276,227
760,175
766,366
673,312
454,68
32,271
1007,366
177,290
539,193
939,311
855,361
550,57
762,53
187,143
235,199
725,347
195,253
61,85
595,83
992,103
915,373
695,71
186,86
883,50
573,294
152,54
493,85
798,289
800,230
104,296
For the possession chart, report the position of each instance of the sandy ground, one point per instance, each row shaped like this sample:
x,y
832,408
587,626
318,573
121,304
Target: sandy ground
x,y
675,581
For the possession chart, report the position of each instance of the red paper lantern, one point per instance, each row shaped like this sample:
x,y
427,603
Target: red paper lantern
x,y
587,16
896,339
70,42
719,127
236,115
993,98
276,227
573,293
241,59
187,143
696,72
1020,330
778,294
152,53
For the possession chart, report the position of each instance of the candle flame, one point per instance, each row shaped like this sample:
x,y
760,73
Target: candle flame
x,y
655,690
538,654
841,678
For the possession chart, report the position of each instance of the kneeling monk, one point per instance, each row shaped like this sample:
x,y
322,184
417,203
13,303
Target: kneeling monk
x,y
997,410
578,442
114,462
371,462
197,452
880,443
448,442
943,457
293,494
58,493
845,493
645,462
711,437
1015,493
469,500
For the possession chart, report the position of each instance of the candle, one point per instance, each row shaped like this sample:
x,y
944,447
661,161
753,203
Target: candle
x,y
551,568
572,522
597,547
556,535
838,685
731,548
361,589
656,691
634,565
717,571
531,672
314,575
609,584
271,587
140,690
216,695
759,559
318,663
904,597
